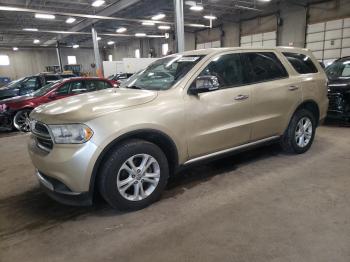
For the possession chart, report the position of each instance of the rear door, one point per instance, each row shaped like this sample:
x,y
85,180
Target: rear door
x,y
274,93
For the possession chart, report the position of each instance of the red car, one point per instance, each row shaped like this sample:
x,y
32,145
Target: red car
x,y
14,112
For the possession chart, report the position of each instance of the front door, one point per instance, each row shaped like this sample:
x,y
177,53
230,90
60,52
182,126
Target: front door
x,y
220,119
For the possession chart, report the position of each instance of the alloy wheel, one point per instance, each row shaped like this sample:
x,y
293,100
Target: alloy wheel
x,y
22,121
303,132
138,177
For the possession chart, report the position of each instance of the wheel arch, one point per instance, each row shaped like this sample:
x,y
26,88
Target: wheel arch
x,y
159,138
312,106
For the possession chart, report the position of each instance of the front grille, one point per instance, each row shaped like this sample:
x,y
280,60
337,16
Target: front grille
x,y
42,136
336,102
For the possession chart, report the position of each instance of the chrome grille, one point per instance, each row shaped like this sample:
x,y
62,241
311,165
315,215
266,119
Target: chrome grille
x,y
42,136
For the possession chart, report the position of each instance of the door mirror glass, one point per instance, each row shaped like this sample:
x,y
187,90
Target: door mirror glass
x,y
205,84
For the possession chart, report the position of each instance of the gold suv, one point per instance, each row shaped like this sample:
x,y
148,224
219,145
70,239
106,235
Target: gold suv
x,y
184,108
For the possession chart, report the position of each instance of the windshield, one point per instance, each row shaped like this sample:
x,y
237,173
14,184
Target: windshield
x,y
339,69
15,83
46,88
163,73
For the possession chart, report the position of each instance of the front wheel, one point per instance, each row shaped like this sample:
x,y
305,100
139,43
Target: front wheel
x,y
21,120
134,175
300,133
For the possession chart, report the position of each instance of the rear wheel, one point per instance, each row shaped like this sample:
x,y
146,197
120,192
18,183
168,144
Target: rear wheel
x,y
21,120
300,133
134,175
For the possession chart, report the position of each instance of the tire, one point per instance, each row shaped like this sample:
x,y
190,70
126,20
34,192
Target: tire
x,y
292,141
118,182
21,120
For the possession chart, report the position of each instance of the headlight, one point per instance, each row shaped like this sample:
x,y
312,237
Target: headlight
x,y
71,134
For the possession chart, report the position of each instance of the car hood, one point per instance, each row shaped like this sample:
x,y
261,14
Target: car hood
x,y
82,108
339,84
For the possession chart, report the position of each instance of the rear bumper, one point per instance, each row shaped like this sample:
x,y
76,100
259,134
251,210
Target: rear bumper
x,y
60,192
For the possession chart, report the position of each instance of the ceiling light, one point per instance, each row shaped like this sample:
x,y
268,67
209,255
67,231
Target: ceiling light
x,y
140,34
75,46
148,23
110,43
15,49
30,29
164,27
70,20
196,25
44,16
36,41
8,8
98,3
210,17
264,0
158,17
121,30
99,38
190,3
196,8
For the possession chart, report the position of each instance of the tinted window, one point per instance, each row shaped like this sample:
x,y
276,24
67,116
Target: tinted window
x,y
67,76
301,63
63,90
263,66
94,85
227,68
77,87
29,85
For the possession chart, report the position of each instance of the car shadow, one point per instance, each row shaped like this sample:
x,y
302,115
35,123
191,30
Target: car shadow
x,y
34,210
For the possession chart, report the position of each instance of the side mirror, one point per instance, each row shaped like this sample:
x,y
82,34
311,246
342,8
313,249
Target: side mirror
x,y
204,84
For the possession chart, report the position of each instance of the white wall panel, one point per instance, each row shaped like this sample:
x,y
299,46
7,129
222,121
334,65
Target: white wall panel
x,y
347,22
334,34
266,39
246,39
257,44
318,55
269,43
335,24
315,46
346,32
345,52
334,53
246,45
315,28
346,42
257,37
332,44
315,37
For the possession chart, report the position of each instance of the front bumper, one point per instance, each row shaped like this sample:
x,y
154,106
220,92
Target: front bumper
x,y
6,120
60,192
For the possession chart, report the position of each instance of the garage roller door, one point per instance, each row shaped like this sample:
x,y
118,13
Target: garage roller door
x,y
212,44
329,40
267,39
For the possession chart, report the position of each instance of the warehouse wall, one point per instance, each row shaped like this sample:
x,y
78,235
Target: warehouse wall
x,y
32,61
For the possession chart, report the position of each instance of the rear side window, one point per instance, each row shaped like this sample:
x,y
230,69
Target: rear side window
x,y
94,85
301,63
228,70
263,66
50,79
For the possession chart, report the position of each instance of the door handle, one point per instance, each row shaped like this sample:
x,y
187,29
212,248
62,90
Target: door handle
x,y
241,97
293,88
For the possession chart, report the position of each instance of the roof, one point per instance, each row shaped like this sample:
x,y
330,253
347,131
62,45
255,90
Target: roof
x,y
226,49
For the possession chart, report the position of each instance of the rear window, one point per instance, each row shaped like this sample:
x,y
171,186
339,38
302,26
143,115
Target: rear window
x,y
301,63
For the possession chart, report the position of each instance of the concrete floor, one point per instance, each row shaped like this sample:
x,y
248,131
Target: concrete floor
x,y
261,205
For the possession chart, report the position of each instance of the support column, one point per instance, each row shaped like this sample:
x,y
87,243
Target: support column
x,y
99,69
58,51
179,25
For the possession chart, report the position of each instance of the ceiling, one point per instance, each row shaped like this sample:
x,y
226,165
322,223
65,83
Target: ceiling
x,y
12,23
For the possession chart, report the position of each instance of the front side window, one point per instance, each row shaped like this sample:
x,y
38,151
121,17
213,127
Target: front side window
x,y
163,73
301,63
228,70
77,87
339,69
263,66
45,89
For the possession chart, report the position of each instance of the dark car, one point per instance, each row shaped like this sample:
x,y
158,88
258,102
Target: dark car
x,y
339,89
27,85
14,112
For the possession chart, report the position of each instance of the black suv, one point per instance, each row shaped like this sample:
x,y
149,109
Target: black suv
x,y
338,74
27,85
